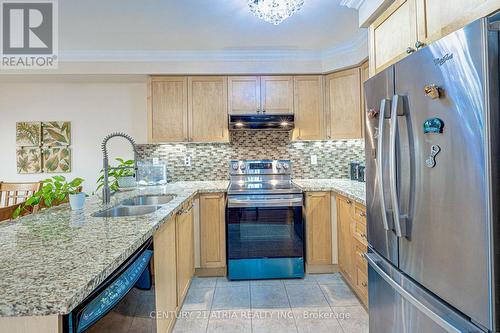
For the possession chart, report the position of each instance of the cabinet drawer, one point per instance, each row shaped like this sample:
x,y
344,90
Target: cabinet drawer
x,y
360,214
359,259
359,233
362,282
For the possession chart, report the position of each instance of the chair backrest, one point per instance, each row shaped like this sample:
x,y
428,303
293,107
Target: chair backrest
x,y
15,193
6,212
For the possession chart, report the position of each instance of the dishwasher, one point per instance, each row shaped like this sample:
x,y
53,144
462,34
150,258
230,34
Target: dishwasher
x,y
119,296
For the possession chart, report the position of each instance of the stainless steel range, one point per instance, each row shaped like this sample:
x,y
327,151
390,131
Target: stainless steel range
x,y
265,228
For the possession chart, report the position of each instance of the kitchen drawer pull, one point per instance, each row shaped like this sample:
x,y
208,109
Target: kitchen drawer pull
x,y
364,284
349,202
362,214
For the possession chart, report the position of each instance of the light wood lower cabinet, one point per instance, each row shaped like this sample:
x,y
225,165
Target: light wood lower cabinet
x,y
185,251
165,275
318,230
212,231
351,223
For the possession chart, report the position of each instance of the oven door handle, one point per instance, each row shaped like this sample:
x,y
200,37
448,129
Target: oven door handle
x,y
283,202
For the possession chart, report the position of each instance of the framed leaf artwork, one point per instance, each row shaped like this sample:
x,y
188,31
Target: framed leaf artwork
x,y
29,160
56,159
28,133
56,133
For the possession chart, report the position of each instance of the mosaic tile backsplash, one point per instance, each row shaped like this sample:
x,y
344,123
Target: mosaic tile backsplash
x,y
210,161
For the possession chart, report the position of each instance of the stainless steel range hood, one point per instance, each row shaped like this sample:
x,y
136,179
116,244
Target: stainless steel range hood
x,y
262,122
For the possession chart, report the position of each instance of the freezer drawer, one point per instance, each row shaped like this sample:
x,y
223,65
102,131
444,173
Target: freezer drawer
x,y
399,305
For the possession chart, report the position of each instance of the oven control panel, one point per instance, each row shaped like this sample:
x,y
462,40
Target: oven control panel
x,y
260,167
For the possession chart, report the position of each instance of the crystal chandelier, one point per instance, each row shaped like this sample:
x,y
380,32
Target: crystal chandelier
x,y
274,11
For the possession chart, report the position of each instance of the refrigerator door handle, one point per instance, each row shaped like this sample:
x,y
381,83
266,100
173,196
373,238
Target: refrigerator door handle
x,y
372,261
384,113
397,111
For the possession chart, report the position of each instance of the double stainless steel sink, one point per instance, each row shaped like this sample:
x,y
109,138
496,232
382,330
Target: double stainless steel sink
x,y
136,206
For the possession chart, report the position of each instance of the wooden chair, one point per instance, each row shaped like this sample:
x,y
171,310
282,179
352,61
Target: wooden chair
x,y
15,193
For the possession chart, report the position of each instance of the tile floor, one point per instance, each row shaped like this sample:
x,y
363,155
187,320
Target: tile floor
x,y
317,303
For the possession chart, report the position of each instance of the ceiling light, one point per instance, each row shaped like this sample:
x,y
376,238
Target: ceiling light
x,y
274,11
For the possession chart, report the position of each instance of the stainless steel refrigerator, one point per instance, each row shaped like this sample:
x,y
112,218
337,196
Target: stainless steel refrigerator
x,y
432,177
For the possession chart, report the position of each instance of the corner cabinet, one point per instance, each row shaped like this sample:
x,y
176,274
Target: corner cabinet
x,y
187,109
343,103
260,94
309,108
213,233
318,232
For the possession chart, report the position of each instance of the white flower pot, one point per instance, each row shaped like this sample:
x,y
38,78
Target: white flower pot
x,y
127,182
77,201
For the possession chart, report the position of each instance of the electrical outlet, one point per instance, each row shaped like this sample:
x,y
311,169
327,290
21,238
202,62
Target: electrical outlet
x,y
187,161
314,159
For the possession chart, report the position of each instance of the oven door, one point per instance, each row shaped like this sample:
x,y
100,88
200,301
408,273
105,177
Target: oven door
x,y
265,236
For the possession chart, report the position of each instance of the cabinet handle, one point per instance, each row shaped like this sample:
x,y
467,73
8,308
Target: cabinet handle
x,y
410,50
419,44
349,202
362,214
364,284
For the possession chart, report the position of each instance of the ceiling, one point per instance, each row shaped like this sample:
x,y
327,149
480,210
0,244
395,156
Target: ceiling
x,y
199,25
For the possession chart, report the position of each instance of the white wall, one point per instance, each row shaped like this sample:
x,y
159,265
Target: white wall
x,y
95,106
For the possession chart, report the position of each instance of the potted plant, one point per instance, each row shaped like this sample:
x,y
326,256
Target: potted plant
x,y
120,177
54,191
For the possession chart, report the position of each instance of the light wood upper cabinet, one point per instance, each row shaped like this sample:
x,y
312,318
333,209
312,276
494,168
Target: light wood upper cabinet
x,y
365,75
185,251
165,274
244,94
309,108
167,115
276,94
256,94
318,228
212,231
207,108
343,100
392,34
439,18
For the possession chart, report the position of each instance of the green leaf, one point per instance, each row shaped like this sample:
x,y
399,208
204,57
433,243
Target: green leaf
x,y
57,136
76,182
60,178
17,212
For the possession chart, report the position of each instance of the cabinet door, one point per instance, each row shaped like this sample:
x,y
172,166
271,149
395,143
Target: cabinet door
x,y
165,274
277,94
243,94
212,231
343,95
318,228
344,224
207,107
392,33
439,18
168,118
308,108
185,252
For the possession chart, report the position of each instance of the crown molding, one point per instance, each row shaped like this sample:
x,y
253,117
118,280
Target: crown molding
x,y
231,62
355,4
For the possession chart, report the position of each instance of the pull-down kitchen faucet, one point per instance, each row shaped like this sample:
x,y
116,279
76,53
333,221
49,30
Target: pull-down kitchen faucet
x,y
106,191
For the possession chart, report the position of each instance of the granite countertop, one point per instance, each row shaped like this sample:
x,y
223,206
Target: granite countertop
x,y
52,260
352,189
